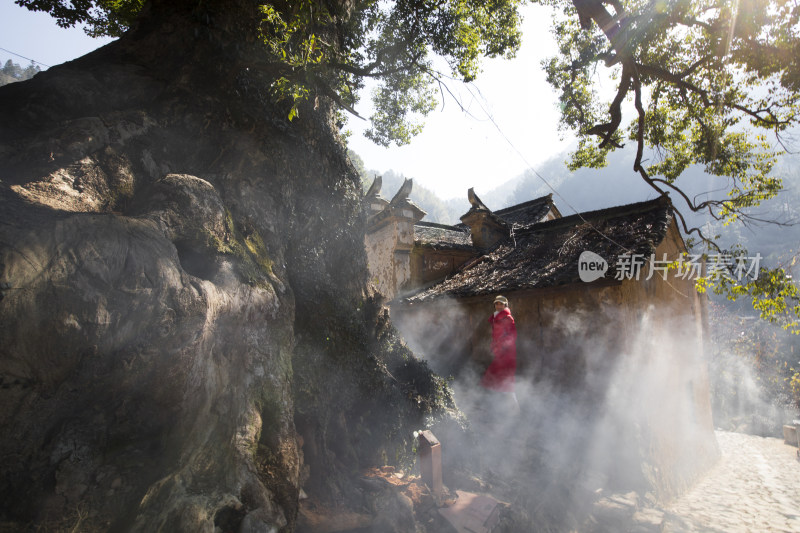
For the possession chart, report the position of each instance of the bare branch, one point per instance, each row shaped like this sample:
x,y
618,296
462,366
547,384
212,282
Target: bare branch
x,y
708,204
437,76
675,79
688,231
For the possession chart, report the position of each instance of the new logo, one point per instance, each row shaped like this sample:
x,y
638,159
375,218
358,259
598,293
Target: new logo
x,y
591,266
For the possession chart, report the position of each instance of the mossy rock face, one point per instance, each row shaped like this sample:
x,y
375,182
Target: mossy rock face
x,y
182,279
186,208
191,213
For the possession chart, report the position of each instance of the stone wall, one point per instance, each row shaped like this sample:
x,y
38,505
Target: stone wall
x,y
429,265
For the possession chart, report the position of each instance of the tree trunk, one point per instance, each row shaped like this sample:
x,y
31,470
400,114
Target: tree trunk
x,y
183,276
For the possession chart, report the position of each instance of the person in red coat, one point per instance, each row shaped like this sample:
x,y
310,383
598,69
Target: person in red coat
x,y
500,374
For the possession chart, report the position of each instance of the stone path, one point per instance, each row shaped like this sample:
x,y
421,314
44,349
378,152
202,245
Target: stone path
x,y
753,488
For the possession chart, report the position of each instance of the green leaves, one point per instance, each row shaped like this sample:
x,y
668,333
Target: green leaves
x,y
101,17
400,105
391,42
404,36
322,50
113,17
704,82
774,294
315,47
699,92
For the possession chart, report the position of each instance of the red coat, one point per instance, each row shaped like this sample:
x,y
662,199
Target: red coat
x,y
500,374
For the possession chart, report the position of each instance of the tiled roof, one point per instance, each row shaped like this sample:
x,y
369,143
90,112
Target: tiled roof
x,y
521,215
527,213
546,254
442,236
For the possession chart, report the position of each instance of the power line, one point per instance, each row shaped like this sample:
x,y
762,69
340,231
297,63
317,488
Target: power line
x,y
23,57
525,160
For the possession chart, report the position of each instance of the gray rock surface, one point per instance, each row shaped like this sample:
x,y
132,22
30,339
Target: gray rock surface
x,y
182,281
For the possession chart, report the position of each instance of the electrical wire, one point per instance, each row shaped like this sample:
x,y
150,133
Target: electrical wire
x,y
544,180
538,175
23,57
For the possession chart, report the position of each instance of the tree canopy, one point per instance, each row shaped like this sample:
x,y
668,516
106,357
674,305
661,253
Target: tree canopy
x,y
703,81
330,48
714,83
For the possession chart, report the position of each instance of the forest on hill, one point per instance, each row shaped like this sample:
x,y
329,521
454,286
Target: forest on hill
x,y
12,72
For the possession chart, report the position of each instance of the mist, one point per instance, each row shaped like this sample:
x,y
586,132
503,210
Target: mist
x,y
607,404
751,363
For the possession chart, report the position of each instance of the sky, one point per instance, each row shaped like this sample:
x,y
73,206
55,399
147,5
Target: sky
x,y
511,121
36,36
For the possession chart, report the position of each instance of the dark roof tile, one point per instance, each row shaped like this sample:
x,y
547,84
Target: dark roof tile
x,y
527,213
546,254
441,235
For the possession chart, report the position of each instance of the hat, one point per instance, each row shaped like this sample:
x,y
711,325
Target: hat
x,y
501,299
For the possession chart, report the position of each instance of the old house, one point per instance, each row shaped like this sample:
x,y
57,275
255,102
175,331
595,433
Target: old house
x,y
606,327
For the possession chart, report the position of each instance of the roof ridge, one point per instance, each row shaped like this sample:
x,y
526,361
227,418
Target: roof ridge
x,y
429,224
546,198
607,212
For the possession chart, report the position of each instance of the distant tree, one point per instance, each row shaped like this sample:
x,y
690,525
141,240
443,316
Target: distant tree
x,y
436,209
30,71
530,185
12,69
359,164
754,371
14,72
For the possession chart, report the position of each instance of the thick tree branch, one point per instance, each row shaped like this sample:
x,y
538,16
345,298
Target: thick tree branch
x,y
370,70
686,229
637,90
675,79
694,66
680,81
594,10
606,131
707,205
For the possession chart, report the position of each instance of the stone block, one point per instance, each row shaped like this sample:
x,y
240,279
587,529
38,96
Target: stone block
x,y
430,463
472,513
790,434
